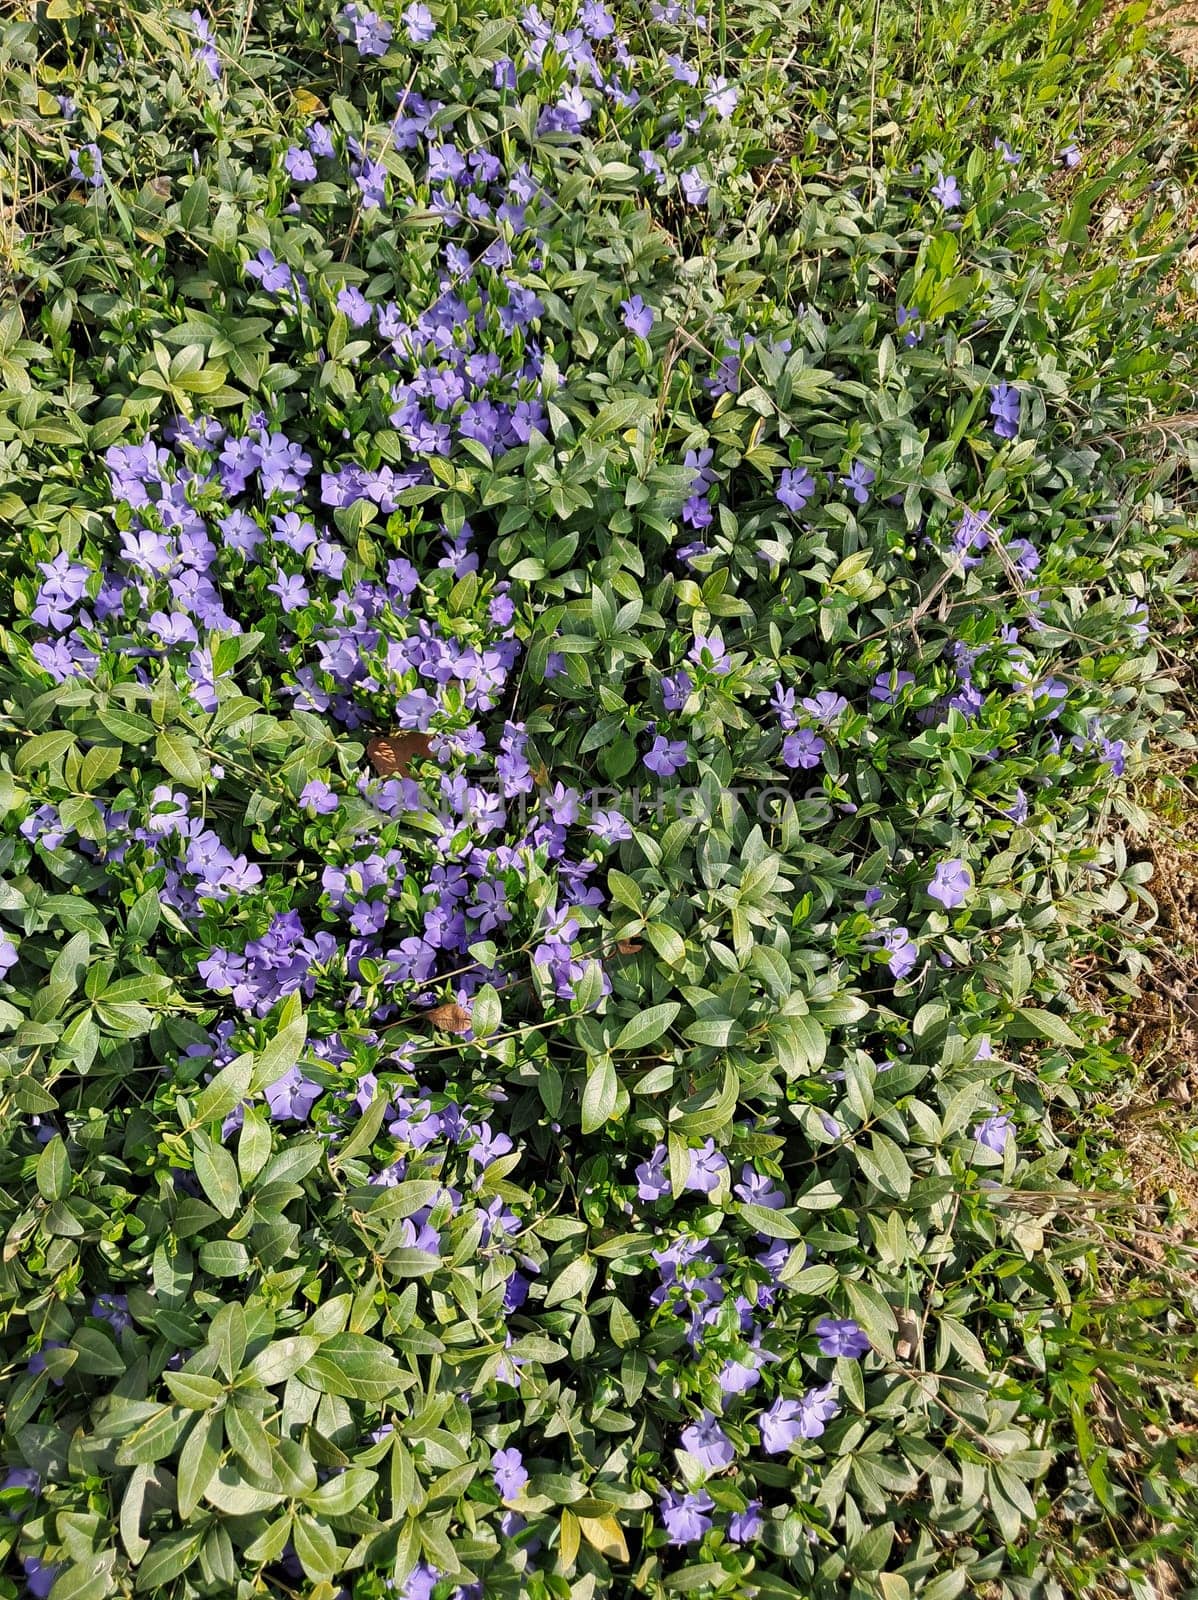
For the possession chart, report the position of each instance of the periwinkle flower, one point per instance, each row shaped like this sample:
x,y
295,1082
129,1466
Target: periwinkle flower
x,y
317,797
826,706
841,1337
666,756
300,165
638,317
802,749
418,23
708,1443
685,1516
858,480
8,954
653,1178
87,165
1004,408
902,951
371,35
994,1132
788,1421
695,190
951,883
796,487
509,1473
887,686
745,1526
707,1168
292,1096
947,190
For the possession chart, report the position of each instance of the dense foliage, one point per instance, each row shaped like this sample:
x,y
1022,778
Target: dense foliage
x,y
578,592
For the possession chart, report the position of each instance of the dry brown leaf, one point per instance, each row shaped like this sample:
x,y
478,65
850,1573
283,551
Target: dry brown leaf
x,y
392,754
451,1018
908,1333
629,947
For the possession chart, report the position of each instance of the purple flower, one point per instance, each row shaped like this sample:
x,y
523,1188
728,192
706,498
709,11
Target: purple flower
x,y
507,1469
908,317
802,749
8,954
825,706
994,1132
318,797
300,165
947,191
950,884
371,35
888,685
418,20
113,1309
87,165
841,1337
707,1167
684,1516
788,1421
39,1576
666,757
676,689
708,651
609,826
1071,155
858,481
746,1525
1004,408
653,1179
292,1096
638,317
795,488
353,304
1113,756
291,590
708,1443
755,1190
694,189
903,951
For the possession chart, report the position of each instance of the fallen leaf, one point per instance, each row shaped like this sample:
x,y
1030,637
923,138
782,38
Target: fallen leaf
x,y
451,1018
392,754
606,1535
629,947
908,1339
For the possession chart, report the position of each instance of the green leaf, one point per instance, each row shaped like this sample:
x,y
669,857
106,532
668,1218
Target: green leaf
x,y
354,1366
193,1390
282,1359
54,1170
224,1258
228,1089
43,750
1033,1022
365,1132
599,1096
181,758
486,1013
217,1173
86,1580
573,1283
198,1461
169,1557
316,1547
647,1026
667,942
281,1054
774,1224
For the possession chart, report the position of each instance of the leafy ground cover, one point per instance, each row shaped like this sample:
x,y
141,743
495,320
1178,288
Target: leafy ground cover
x,y
581,593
